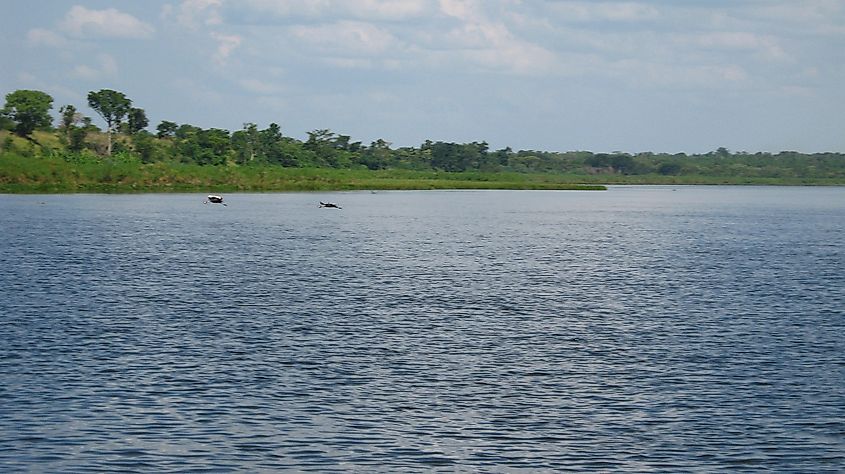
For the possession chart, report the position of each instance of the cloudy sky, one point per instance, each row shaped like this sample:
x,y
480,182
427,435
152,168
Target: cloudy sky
x,y
556,75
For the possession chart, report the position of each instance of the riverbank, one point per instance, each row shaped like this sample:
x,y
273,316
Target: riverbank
x,y
20,174
47,163
124,173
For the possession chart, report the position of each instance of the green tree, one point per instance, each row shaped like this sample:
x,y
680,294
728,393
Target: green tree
x,y
246,144
272,133
112,106
377,156
166,129
503,155
616,162
69,118
137,120
144,145
269,139
327,146
454,157
203,147
669,168
73,133
186,131
29,110
76,138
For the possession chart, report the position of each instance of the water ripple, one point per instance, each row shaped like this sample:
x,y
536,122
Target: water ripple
x,y
635,330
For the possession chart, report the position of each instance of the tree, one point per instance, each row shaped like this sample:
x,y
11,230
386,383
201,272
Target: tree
x,y
76,138
203,147
69,118
137,120
166,129
322,143
74,134
268,141
186,131
29,110
669,168
617,162
112,106
377,156
444,156
503,155
145,146
246,143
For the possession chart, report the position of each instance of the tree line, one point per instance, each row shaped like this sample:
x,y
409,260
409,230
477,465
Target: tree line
x,y
127,134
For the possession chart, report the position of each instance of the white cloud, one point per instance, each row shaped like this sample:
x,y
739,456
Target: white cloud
x,y
288,8
193,13
346,38
601,11
106,67
205,18
388,9
370,10
110,23
467,10
42,37
225,45
493,46
485,43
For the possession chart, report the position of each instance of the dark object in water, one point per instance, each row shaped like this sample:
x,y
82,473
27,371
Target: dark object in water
x,y
215,199
329,204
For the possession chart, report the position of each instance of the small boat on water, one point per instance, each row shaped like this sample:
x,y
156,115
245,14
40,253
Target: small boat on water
x,y
214,199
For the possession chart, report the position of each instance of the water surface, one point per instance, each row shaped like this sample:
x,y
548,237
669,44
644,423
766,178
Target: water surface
x,y
637,329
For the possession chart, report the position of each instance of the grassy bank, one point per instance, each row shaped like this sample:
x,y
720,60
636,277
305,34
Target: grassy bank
x,y
43,164
53,174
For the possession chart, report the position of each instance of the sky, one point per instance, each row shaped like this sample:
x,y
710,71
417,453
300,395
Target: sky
x,y
665,76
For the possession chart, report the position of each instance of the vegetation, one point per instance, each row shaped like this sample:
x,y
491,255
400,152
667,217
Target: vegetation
x,y
112,106
28,110
78,156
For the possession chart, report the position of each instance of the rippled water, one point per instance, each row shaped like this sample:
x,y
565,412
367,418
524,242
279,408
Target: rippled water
x,y
642,328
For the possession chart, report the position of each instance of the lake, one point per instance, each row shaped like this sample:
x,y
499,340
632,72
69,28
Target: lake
x,y
635,329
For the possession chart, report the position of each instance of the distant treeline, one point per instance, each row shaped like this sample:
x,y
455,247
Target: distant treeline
x,y
127,134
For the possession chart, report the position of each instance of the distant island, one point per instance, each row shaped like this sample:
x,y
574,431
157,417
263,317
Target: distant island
x,y
37,156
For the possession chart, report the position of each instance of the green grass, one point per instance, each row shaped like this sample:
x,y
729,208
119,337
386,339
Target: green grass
x,y
58,173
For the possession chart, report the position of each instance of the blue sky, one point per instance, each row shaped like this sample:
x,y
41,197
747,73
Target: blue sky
x,y
650,75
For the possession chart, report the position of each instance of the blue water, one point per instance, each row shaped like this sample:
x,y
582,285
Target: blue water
x,y
637,329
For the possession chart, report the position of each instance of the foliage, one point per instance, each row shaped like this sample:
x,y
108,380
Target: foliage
x,y
112,107
29,110
123,172
137,120
68,118
166,129
255,158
